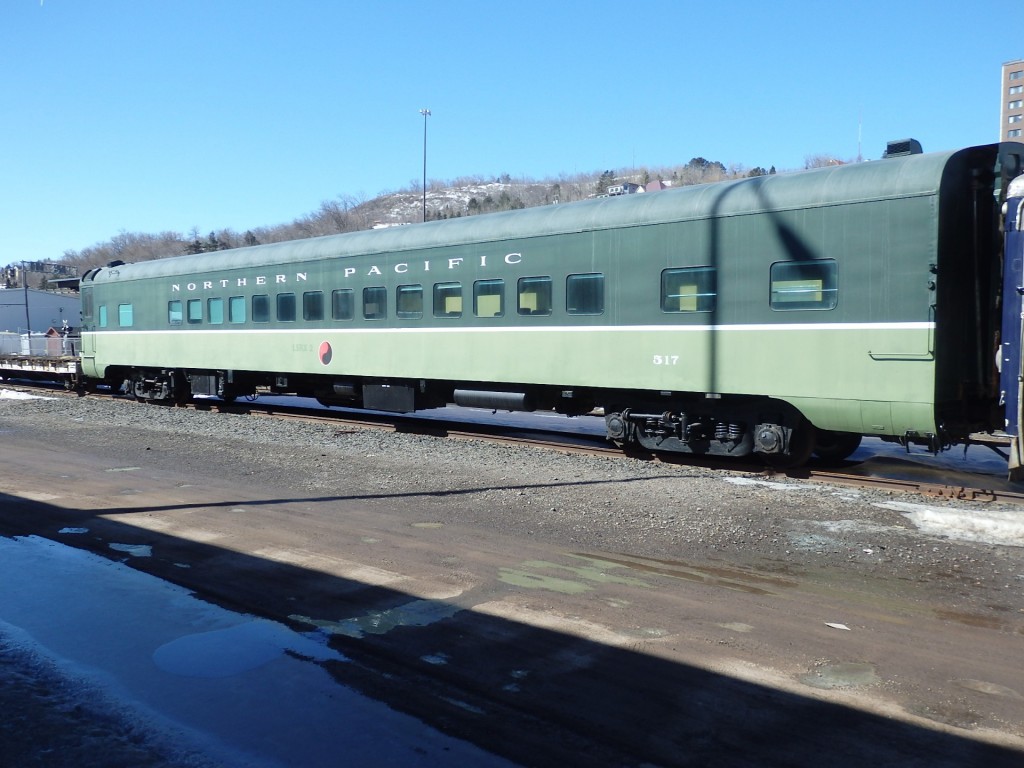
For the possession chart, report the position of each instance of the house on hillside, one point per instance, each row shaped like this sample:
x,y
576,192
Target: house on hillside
x,y
626,188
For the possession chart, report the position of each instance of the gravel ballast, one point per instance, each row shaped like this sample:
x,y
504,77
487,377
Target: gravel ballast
x,y
619,504
641,509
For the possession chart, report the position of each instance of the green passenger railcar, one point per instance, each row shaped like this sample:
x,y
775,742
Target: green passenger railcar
x,y
773,315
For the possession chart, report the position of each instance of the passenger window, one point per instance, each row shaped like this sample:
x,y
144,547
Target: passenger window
x,y
261,308
409,302
103,316
489,298
534,296
375,303
448,300
313,305
690,289
343,304
87,303
236,309
174,314
584,294
804,284
215,311
195,311
286,307
125,315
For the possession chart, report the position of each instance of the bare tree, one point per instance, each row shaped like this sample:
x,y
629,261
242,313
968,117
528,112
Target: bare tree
x,y
464,196
822,161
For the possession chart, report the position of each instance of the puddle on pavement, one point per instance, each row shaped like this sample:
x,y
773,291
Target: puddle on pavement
x,y
971,619
729,578
847,674
418,613
541,574
737,626
530,580
989,689
237,649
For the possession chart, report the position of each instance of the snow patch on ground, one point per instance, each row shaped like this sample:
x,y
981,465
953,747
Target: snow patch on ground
x,y
775,486
998,527
135,550
10,394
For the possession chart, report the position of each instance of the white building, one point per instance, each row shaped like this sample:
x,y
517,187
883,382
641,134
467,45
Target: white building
x,y
45,310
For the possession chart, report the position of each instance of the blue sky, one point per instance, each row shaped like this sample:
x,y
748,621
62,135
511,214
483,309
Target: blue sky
x,y
146,116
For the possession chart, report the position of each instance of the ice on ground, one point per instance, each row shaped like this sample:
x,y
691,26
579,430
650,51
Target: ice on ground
x,y
995,526
775,486
10,394
237,689
135,550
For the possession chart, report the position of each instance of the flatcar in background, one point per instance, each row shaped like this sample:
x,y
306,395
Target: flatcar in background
x,y
780,315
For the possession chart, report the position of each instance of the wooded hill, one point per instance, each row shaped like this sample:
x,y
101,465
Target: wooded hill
x,y
444,199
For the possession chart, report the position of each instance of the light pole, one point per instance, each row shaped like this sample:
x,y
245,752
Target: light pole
x,y
28,317
426,114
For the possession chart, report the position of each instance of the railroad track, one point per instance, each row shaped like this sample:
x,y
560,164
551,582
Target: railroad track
x,y
936,490
576,444
594,446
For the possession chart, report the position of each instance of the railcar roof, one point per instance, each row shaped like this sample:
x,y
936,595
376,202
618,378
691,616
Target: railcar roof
x,y
880,179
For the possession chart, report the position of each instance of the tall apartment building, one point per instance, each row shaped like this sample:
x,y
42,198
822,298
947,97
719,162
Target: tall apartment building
x,y
1011,115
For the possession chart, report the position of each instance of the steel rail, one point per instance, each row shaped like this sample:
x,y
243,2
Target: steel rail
x,y
924,488
577,445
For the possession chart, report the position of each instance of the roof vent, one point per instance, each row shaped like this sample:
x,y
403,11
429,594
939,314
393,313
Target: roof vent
x,y
902,148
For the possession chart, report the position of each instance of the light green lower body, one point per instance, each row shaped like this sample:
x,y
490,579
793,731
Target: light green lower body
x,y
870,379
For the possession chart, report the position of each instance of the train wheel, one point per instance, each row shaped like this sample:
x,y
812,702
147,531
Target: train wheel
x,y
616,427
801,446
835,446
138,387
